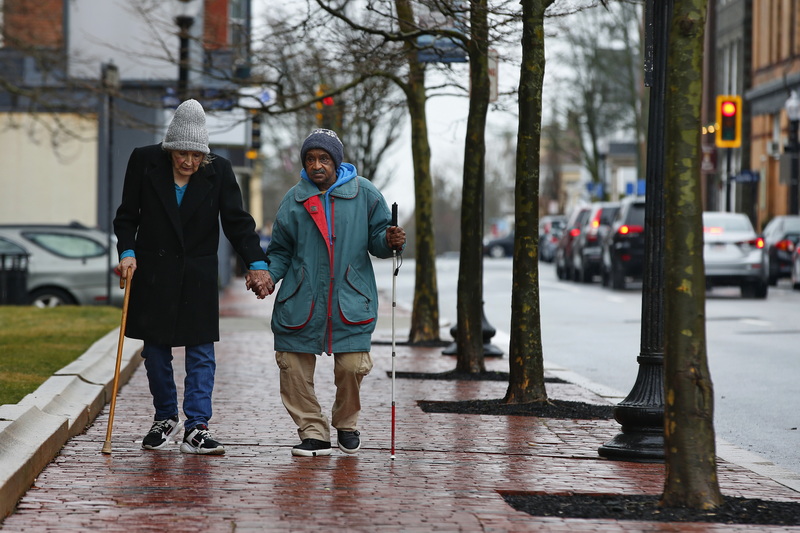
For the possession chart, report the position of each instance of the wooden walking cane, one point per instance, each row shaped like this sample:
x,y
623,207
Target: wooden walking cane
x,y
124,283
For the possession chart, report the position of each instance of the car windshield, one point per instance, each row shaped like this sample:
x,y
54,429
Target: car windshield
x,y
607,215
8,247
722,224
636,215
792,225
65,245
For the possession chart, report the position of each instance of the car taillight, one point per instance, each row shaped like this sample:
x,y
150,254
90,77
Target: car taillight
x,y
627,230
758,242
786,245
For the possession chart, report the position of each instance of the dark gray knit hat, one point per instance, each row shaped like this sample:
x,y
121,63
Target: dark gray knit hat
x,y
326,140
187,131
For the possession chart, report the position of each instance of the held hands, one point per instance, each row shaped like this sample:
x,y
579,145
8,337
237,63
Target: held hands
x,y
260,282
395,237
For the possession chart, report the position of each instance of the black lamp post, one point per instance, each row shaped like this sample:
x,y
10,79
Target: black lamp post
x,y
641,413
793,112
184,22
110,80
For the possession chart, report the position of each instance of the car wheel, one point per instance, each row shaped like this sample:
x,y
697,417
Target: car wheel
x,y
51,297
617,278
497,251
755,289
585,274
560,272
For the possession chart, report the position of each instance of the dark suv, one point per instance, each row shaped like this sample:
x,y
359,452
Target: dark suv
x,y
623,247
587,250
563,258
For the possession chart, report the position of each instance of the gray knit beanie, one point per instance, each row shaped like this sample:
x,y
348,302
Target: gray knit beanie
x,y
187,131
326,140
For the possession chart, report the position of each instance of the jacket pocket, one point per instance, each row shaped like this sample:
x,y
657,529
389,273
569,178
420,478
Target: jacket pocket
x,y
294,305
357,304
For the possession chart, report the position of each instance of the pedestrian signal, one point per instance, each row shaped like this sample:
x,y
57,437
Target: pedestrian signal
x,y
729,121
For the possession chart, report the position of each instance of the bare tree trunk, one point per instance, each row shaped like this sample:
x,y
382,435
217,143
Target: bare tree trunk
x,y
469,335
425,314
525,358
691,469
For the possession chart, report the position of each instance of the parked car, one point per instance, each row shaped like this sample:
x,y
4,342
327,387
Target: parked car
x,y
796,269
563,258
781,236
623,246
550,229
500,247
587,250
733,254
67,264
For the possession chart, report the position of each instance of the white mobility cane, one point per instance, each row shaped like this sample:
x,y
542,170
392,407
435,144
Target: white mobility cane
x,y
394,305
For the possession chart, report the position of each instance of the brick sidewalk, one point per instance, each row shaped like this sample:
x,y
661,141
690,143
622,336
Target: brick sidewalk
x,y
449,472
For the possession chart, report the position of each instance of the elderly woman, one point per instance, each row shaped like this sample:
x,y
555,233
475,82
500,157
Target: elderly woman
x,y
167,225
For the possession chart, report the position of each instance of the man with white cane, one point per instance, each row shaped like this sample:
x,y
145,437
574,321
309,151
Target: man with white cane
x,y
326,227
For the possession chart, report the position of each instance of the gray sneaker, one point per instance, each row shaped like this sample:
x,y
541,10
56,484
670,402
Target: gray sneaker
x,y
349,441
161,433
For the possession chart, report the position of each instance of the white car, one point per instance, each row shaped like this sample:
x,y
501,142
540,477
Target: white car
x,y
66,264
733,254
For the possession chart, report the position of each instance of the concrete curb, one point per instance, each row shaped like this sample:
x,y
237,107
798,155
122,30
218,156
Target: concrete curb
x,y
33,431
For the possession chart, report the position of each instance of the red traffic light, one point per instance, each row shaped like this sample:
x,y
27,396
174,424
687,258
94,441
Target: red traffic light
x,y
728,132
328,100
728,108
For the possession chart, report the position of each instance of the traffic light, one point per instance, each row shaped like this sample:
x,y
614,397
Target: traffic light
x,y
325,108
255,136
729,121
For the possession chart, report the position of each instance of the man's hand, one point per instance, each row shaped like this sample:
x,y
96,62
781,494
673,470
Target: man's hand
x,y
260,282
395,237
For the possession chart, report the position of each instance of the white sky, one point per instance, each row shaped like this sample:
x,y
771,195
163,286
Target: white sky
x,y
447,118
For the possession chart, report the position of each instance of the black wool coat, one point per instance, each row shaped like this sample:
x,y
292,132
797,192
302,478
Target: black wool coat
x,y
174,294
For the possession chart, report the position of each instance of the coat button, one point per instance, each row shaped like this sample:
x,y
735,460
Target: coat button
x,y
161,253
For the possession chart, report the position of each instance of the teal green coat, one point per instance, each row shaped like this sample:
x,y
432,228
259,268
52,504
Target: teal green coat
x,y
327,300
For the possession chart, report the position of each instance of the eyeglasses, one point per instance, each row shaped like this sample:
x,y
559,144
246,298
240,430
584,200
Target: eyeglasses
x,y
323,160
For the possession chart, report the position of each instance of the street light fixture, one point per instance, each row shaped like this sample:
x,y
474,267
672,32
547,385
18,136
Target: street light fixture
x,y
184,21
109,74
793,112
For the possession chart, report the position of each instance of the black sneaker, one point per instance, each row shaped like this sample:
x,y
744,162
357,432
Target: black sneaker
x,y
161,432
349,441
312,448
198,440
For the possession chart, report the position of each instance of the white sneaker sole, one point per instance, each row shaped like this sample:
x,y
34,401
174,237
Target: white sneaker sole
x,y
311,453
188,448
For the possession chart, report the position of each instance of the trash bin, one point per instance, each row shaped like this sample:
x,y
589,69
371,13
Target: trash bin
x,y
13,279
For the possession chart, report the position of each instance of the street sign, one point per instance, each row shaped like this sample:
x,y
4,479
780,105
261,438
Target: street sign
x,y
256,97
747,176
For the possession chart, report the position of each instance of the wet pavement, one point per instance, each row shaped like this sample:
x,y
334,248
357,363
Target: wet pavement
x,y
449,473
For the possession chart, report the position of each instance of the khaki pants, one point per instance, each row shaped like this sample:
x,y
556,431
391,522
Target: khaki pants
x,y
300,399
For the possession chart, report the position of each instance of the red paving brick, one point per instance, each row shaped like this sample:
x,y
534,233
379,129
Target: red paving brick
x,y
449,472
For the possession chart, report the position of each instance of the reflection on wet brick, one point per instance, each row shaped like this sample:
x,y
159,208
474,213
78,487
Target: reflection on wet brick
x,y
446,477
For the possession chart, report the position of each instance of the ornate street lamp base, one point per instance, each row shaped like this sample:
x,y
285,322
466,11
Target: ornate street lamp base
x,y
640,445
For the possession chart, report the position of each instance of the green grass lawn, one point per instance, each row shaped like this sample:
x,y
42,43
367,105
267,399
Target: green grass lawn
x,y
35,343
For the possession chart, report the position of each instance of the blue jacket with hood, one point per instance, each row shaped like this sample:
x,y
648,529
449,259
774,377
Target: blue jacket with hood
x,y
321,241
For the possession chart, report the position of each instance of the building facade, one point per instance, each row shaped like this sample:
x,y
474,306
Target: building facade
x,y
775,74
68,127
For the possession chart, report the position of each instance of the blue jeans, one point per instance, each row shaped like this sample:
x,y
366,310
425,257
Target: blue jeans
x,y
198,384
